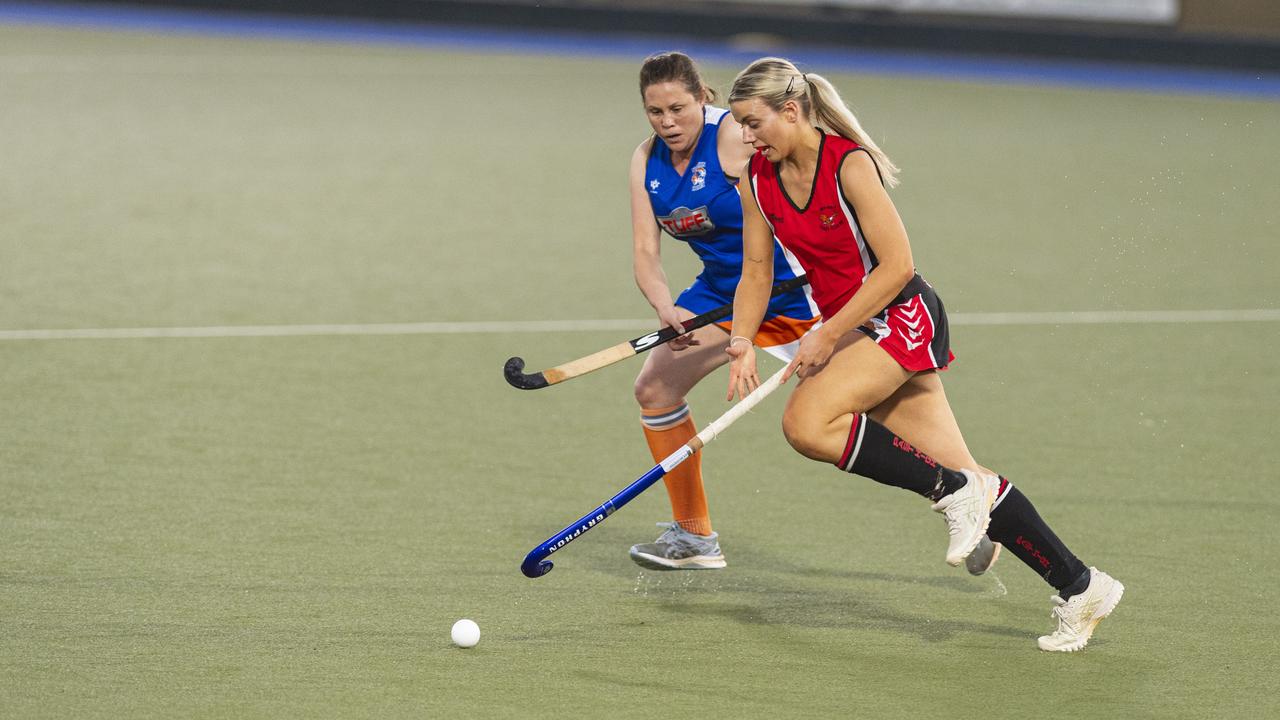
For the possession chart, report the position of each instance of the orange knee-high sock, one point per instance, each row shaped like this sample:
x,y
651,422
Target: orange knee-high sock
x,y
666,429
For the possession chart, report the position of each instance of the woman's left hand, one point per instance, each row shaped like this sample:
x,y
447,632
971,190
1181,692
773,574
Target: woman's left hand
x,y
814,352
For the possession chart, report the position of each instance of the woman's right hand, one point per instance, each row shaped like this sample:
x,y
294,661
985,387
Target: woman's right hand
x,y
743,377
671,318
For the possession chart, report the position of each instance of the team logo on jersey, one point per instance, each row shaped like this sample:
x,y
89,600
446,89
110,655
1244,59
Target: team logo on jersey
x,y
828,217
699,176
653,186
683,222
775,220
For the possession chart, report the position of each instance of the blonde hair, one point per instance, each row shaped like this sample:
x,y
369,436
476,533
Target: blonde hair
x,y
776,80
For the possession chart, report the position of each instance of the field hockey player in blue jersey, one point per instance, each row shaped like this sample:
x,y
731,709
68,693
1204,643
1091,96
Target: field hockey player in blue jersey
x,y
683,182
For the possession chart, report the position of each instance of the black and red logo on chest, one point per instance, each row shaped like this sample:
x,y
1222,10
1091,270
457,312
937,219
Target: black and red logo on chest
x,y
829,217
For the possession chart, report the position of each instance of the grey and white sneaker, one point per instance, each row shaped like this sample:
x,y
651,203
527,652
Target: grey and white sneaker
x,y
679,549
1078,616
968,513
983,556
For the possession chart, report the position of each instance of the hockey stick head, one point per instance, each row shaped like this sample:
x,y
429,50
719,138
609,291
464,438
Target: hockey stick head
x,y
533,567
514,372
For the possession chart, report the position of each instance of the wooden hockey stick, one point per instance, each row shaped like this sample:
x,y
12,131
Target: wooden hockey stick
x,y
514,369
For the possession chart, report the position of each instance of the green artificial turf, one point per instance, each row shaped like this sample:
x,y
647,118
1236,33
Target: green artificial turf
x,y
288,526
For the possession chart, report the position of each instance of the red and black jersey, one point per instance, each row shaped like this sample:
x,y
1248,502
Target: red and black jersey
x,y
822,234
824,238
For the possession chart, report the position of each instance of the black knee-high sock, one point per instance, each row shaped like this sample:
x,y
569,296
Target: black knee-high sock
x,y
873,451
1016,525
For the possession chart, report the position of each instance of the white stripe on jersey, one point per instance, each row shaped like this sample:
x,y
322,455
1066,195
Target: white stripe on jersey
x,y
711,115
857,230
799,270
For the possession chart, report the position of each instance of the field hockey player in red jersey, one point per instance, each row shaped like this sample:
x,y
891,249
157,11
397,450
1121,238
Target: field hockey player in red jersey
x,y
869,398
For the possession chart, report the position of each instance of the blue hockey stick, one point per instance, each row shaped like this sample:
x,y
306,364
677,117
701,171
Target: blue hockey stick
x,y
536,564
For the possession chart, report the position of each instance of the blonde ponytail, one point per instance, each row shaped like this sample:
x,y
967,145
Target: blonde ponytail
x,y
776,80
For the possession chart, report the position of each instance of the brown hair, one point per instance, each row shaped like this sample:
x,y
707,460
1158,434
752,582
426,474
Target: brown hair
x,y
674,67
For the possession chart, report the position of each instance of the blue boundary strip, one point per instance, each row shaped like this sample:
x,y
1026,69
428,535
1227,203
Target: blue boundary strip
x,y
1021,71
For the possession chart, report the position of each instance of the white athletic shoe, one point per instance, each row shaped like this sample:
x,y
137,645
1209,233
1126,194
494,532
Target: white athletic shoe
x,y
1078,616
679,549
968,513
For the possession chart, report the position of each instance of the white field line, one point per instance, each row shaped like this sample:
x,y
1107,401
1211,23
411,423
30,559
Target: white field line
x,y
1097,317
425,328
1107,317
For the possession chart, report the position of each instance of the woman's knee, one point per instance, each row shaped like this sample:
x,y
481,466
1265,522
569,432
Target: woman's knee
x,y
803,434
652,392
645,390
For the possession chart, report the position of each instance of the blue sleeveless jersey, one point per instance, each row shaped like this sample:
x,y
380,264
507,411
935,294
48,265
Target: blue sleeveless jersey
x,y
702,208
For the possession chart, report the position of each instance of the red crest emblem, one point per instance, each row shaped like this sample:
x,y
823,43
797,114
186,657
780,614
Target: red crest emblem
x,y
828,216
